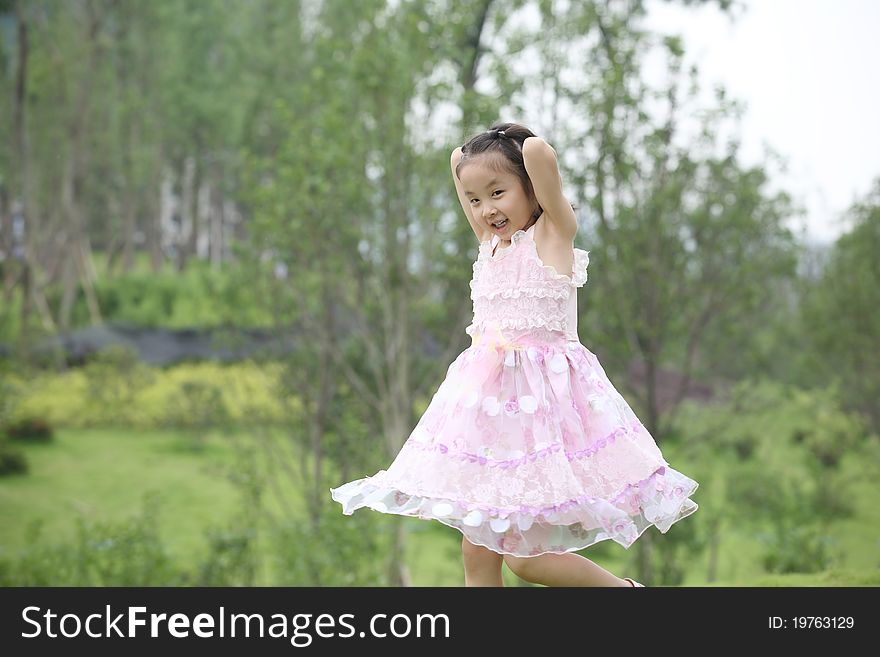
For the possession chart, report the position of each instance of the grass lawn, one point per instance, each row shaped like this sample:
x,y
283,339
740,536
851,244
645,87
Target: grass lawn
x,y
102,474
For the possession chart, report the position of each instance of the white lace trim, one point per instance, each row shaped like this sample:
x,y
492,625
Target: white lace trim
x,y
579,269
537,321
539,298
531,292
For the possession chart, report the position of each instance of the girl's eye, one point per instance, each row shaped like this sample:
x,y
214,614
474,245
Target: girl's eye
x,y
497,191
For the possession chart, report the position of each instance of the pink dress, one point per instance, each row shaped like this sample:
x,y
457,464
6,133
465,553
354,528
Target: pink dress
x,y
526,447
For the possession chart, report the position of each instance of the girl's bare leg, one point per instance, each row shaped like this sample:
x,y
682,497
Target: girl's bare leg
x,y
567,569
482,566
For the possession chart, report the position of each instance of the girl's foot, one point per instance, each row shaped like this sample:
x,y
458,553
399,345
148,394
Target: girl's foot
x,y
633,582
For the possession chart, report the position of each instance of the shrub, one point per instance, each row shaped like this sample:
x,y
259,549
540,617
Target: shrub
x,y
197,405
114,376
106,392
122,553
197,296
796,549
30,429
12,460
322,553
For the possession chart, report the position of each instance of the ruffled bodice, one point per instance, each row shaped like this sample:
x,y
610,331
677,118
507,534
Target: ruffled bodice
x,y
514,291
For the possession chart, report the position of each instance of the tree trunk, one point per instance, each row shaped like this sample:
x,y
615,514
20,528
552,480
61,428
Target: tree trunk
x,y
71,184
643,557
714,546
130,203
89,277
19,185
68,295
398,573
187,211
215,243
158,216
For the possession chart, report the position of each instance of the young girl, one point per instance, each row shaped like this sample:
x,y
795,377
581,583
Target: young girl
x,y
526,448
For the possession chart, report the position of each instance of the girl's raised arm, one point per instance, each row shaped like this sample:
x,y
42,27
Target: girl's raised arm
x,y
543,169
480,231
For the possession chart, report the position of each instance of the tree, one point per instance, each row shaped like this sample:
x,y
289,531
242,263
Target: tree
x,y
840,313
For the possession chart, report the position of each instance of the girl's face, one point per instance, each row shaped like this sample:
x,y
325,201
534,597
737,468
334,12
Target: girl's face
x,y
496,198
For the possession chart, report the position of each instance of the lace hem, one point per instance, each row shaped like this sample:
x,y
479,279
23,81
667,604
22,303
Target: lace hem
x,y
660,499
531,292
554,330
513,463
477,268
520,323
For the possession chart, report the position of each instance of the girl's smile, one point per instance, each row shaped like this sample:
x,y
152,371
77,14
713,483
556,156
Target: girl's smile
x,y
496,197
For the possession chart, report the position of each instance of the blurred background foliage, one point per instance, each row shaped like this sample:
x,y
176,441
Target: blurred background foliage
x,y
282,165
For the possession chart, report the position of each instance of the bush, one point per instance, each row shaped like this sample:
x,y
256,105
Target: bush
x,y
776,462
31,430
796,549
197,296
106,392
12,460
129,552
126,553
114,377
197,405
10,390
232,558
325,554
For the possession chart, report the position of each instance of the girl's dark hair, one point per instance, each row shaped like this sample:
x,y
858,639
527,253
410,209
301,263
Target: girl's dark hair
x,y
501,147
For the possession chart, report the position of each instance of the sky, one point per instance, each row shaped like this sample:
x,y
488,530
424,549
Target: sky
x,y
806,71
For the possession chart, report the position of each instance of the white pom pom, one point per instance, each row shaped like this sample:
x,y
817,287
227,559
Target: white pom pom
x,y
528,404
524,522
499,525
473,519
